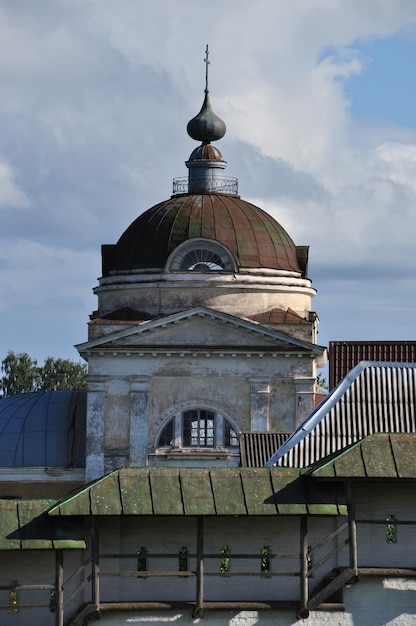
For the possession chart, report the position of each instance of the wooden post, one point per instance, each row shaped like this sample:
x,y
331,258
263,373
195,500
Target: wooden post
x,y
199,608
59,588
95,557
352,527
303,612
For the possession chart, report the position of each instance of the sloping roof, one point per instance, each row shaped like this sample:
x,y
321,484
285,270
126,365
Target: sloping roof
x,y
375,397
256,448
344,355
383,456
214,491
43,429
25,524
279,316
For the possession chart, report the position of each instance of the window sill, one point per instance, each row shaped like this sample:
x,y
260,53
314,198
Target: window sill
x,y
196,452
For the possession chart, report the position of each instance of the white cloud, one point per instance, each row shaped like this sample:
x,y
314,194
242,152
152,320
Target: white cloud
x,y
11,194
95,97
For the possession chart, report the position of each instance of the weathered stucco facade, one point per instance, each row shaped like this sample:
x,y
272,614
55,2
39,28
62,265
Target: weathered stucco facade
x,y
140,377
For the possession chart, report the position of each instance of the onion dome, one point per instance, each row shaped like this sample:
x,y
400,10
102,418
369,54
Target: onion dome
x,y
206,126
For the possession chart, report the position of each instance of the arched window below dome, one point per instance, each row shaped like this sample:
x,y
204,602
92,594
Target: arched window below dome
x,y
198,428
201,255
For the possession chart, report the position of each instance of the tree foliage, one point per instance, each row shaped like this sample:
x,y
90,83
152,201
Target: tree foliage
x,y
21,374
321,381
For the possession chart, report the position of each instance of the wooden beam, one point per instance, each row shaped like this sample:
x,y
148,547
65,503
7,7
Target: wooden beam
x,y
95,567
352,526
199,608
303,612
59,588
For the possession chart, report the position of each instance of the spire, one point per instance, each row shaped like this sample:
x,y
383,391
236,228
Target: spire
x,y
207,62
206,126
206,164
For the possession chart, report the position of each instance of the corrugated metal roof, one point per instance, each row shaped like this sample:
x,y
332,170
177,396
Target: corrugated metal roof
x,y
25,524
344,355
372,398
377,456
257,448
196,491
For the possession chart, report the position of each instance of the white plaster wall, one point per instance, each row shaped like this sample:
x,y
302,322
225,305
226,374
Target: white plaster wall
x,y
370,602
242,535
375,501
175,379
218,382
36,567
239,294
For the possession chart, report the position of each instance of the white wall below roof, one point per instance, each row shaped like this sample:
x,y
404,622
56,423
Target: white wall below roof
x,y
371,602
234,294
221,382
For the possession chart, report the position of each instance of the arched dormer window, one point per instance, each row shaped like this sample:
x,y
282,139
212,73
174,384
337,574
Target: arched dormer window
x,y
201,255
198,428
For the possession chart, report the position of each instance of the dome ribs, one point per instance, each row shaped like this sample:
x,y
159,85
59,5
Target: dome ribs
x,y
225,228
248,248
254,238
180,226
196,218
208,218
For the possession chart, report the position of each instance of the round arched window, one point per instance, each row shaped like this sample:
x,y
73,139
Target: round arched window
x,y
201,255
198,428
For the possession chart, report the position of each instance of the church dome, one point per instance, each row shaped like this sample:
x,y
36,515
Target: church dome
x,y
225,232
43,429
254,238
204,246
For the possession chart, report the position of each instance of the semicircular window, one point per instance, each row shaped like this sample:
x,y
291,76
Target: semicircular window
x,y
201,255
198,428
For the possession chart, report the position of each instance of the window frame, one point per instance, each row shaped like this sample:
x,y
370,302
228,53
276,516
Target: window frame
x,y
203,250
224,431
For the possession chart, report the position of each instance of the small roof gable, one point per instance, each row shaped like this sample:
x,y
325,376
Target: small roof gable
x,y
201,327
375,397
384,456
197,491
279,316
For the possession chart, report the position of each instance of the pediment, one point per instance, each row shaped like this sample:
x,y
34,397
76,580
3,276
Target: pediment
x,y
200,328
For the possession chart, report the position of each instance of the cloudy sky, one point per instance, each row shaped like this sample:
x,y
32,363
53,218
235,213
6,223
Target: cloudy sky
x,y
319,99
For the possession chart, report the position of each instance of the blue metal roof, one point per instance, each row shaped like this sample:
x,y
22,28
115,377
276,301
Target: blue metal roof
x,y
43,429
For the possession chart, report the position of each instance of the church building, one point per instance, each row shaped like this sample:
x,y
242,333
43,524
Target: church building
x,y
195,480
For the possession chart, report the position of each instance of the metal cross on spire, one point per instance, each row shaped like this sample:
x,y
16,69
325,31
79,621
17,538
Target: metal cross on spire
x,y
206,61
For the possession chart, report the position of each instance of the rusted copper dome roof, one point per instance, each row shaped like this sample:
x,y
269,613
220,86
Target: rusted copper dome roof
x,y
253,237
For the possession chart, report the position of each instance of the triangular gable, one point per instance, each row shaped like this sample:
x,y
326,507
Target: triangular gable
x,y
201,327
373,397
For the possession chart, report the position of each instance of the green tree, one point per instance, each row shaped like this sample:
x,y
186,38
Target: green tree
x,y
21,374
58,374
